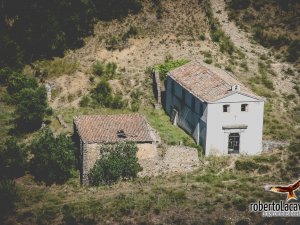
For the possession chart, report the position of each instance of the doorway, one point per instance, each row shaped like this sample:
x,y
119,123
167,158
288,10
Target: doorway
x,y
234,143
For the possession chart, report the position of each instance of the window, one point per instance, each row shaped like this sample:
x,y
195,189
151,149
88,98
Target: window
x,y
244,107
226,108
193,103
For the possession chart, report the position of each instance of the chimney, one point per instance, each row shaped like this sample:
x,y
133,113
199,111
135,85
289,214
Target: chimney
x,y
235,87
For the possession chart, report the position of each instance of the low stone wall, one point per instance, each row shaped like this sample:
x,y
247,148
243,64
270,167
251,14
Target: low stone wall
x,y
269,145
172,159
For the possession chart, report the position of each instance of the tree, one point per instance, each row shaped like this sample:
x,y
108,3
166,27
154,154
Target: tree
x,y
103,93
5,73
53,158
117,162
12,160
16,82
31,109
8,196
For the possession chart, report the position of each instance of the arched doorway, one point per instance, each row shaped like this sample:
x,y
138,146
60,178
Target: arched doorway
x,y
233,143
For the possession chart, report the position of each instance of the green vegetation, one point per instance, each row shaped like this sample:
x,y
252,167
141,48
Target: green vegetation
x,y
135,100
40,30
169,133
31,109
216,33
12,160
103,96
269,29
53,158
104,70
8,197
116,162
55,67
168,66
30,100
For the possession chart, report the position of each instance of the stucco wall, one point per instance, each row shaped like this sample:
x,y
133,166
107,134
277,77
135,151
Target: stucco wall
x,y
191,120
250,138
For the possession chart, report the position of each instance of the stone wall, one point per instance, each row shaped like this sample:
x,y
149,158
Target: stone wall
x,y
91,152
269,145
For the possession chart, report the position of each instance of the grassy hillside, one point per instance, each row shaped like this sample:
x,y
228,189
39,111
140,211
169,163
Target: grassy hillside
x,y
273,24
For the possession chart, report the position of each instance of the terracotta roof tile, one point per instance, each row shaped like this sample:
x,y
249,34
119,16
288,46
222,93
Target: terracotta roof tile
x,y
206,82
105,128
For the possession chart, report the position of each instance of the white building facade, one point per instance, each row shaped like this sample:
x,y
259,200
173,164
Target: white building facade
x,y
221,114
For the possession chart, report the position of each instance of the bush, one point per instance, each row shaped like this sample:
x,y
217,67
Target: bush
x,y
168,66
53,158
105,70
239,4
8,197
246,165
31,109
84,102
133,31
5,73
12,160
17,82
117,162
240,204
103,95
57,66
98,68
293,51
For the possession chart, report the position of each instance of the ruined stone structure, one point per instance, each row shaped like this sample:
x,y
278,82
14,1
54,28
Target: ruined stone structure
x,y
96,130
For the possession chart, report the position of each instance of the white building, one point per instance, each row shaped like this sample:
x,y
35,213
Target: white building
x,y
219,112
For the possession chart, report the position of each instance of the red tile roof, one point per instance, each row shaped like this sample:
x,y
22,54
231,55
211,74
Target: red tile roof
x,y
206,82
111,128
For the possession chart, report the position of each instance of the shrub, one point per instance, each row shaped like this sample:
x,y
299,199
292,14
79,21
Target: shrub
x,y
267,82
113,43
98,68
239,4
202,37
31,109
53,158
168,66
102,94
84,102
12,160
240,204
17,82
110,69
57,66
133,31
117,162
293,51
208,61
105,70
246,165
8,197
5,73
117,102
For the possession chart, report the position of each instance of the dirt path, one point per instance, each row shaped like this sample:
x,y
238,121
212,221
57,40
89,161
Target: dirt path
x,y
252,50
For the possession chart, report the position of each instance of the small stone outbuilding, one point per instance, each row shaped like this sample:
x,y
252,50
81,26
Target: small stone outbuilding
x,y
92,131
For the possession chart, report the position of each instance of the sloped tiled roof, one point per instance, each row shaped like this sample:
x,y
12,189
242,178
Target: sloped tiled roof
x,y
105,128
206,82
